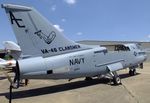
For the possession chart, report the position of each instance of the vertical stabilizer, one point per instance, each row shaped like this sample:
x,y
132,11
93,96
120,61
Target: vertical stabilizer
x,y
35,35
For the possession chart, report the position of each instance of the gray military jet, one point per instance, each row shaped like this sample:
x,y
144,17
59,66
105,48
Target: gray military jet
x,y
50,55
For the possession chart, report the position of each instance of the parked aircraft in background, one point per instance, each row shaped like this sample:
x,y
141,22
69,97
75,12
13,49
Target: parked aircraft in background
x,y
12,49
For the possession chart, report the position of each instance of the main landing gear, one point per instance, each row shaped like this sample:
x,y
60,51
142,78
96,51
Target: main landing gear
x,y
115,78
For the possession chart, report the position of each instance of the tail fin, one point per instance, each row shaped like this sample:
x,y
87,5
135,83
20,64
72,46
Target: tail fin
x,y
35,35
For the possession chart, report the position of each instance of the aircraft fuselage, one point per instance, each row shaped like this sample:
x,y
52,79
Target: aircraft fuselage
x,y
86,63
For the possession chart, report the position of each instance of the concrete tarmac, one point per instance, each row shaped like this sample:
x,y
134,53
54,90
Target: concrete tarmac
x,y
134,89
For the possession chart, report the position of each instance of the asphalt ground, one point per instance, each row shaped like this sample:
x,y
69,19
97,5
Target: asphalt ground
x,y
134,89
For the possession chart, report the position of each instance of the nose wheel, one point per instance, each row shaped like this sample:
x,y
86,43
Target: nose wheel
x,y
132,72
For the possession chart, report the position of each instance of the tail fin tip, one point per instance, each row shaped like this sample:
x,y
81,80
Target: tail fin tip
x,y
19,7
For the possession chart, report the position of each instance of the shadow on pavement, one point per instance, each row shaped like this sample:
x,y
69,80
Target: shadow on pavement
x,y
59,88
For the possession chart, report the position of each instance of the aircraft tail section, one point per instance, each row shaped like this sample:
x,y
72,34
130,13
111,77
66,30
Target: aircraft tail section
x,y
35,35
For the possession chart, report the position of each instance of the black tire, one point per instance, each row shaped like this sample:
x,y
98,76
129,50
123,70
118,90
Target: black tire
x,y
132,72
116,79
88,78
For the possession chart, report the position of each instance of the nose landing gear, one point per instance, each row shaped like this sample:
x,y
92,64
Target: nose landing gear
x,y
132,72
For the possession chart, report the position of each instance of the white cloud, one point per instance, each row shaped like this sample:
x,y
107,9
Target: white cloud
x,y
148,36
79,33
63,20
71,2
58,28
53,8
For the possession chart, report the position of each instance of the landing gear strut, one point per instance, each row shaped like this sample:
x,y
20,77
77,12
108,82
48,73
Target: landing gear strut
x,y
132,72
141,65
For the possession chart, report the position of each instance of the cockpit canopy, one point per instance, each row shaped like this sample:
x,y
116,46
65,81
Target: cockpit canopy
x,y
127,47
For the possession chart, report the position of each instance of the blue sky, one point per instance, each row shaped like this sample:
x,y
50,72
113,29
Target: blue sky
x,y
116,20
